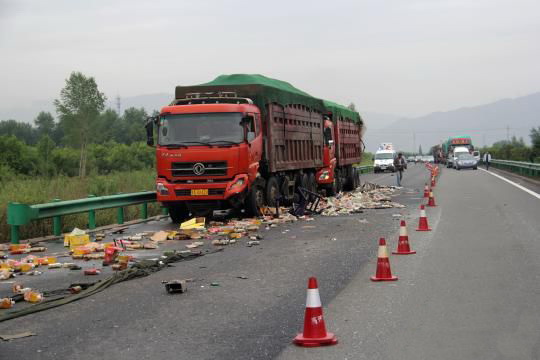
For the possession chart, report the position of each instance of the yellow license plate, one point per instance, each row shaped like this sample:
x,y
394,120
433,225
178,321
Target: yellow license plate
x,y
195,192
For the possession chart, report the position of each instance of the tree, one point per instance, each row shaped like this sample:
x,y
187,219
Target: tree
x,y
352,106
23,131
44,123
420,150
45,146
79,106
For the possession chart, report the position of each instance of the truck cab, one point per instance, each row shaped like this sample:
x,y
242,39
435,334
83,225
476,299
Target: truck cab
x,y
208,153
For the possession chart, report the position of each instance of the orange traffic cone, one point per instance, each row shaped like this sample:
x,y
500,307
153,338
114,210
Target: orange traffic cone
x,y
431,201
423,223
383,264
432,182
403,243
314,329
426,191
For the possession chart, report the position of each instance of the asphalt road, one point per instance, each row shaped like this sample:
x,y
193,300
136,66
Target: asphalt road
x,y
471,292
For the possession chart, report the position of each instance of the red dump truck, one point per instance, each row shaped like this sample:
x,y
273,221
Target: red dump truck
x,y
243,141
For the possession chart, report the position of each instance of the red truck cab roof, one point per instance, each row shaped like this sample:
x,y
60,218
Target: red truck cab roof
x,y
209,108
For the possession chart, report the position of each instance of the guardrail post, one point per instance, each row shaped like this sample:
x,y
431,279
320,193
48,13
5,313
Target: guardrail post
x,y
14,234
144,211
120,215
91,216
57,223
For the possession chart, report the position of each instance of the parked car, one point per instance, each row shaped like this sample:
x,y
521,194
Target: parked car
x,y
466,161
428,159
411,159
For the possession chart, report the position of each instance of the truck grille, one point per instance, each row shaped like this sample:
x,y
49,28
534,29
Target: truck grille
x,y
187,192
199,168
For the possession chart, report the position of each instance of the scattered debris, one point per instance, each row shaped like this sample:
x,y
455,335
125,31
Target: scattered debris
x,y
175,286
195,244
92,271
244,277
195,223
369,196
16,336
159,236
253,243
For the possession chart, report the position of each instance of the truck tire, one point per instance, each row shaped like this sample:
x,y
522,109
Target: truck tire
x,y
350,179
339,181
331,190
286,192
303,180
312,183
356,176
178,213
254,200
272,191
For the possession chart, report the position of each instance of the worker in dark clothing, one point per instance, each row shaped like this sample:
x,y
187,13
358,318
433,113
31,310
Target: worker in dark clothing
x,y
400,165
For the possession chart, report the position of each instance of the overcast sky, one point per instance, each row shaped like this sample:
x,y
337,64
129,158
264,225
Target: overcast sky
x,y
404,57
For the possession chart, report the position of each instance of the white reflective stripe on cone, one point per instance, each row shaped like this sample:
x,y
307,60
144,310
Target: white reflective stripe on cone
x,y
423,213
313,300
383,252
402,231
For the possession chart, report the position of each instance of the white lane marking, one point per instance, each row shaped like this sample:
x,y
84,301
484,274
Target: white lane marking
x,y
513,183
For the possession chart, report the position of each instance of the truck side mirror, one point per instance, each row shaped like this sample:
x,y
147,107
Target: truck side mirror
x,y
250,136
150,131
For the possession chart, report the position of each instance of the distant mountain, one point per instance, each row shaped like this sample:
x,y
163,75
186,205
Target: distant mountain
x,y
486,124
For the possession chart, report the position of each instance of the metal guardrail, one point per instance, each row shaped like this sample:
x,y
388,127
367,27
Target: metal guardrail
x,y
520,167
22,214
365,169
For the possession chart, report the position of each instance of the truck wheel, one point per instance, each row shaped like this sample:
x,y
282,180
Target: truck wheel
x,y
339,182
284,189
303,181
312,183
254,201
356,175
350,179
178,213
272,191
331,190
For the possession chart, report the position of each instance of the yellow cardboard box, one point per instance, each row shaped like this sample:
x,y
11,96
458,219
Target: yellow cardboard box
x,y
76,240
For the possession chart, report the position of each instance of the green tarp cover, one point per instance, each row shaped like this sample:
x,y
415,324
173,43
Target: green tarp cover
x,y
263,90
340,110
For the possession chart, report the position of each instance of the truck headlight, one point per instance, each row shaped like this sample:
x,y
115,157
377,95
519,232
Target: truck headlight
x,y
238,183
325,175
162,189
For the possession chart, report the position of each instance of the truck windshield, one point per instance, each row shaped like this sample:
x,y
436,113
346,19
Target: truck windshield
x,y
200,129
384,156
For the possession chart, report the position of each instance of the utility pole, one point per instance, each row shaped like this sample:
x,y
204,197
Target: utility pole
x,y
414,141
507,133
118,104
484,139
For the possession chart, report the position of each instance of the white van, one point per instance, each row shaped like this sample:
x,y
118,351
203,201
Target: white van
x,y
476,155
458,151
384,160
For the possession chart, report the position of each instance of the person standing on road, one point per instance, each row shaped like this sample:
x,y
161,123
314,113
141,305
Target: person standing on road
x,y
487,159
400,165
